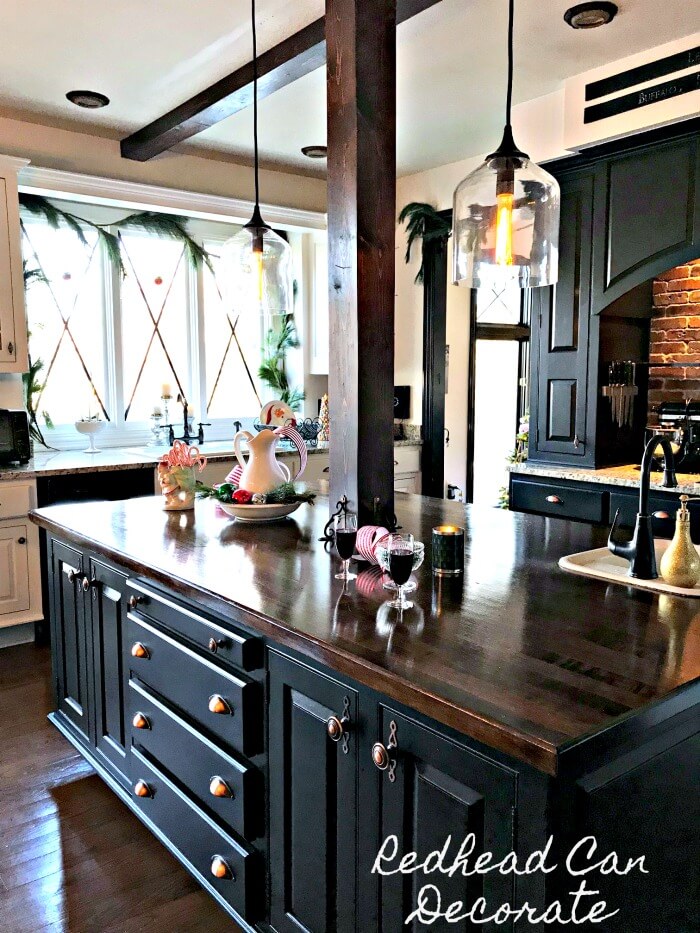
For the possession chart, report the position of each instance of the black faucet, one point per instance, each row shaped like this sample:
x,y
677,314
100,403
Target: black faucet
x,y
640,550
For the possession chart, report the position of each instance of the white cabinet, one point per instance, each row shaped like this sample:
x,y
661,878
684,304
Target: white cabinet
x,y
13,322
318,341
14,569
20,561
407,470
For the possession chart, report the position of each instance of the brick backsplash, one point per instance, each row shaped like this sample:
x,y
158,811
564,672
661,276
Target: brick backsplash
x,y
675,335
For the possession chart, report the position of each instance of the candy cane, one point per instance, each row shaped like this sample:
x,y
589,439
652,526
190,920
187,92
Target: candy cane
x,y
234,477
295,437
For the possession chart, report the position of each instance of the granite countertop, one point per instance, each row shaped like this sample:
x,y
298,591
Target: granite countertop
x,y
628,475
62,462
514,653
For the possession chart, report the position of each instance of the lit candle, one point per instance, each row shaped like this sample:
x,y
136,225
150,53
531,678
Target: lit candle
x,y
166,390
190,411
448,550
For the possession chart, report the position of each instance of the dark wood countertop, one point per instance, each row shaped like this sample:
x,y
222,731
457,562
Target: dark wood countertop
x,y
517,654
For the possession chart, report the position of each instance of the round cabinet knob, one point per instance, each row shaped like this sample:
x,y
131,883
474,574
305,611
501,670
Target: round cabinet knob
x,y
220,868
555,500
214,645
21,540
217,704
139,650
336,728
661,514
134,601
140,721
141,789
380,756
219,788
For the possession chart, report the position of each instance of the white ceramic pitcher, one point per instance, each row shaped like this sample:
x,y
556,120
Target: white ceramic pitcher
x,y
263,472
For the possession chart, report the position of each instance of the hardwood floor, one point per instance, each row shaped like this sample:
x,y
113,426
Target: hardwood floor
x,y
73,859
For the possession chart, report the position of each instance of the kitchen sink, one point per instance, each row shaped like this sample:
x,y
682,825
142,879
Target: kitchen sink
x,y
602,565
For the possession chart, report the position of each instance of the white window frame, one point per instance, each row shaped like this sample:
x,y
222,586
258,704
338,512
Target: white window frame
x,y
135,196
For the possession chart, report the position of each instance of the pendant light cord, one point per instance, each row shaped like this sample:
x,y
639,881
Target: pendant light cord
x,y
509,92
255,105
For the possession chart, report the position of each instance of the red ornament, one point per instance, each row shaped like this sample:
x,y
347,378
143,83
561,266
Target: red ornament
x,y
158,280
242,496
67,276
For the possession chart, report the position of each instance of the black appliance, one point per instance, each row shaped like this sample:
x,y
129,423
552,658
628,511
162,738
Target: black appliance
x,y
14,436
402,402
681,422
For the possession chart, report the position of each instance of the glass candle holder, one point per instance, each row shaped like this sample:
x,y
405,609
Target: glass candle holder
x,y
448,550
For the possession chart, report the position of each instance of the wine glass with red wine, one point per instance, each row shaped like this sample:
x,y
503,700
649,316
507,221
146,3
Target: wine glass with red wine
x,y
400,551
345,526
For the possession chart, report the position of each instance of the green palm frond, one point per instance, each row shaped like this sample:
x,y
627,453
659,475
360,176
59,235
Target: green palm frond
x,y
423,222
272,368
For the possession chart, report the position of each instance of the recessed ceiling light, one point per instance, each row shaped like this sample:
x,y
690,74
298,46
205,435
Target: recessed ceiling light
x,y
590,15
93,100
315,152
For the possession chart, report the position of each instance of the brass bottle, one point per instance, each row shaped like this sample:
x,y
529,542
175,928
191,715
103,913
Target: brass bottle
x,y
680,564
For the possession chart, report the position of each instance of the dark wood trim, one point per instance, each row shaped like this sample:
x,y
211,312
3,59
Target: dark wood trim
x,y
591,157
434,343
361,87
471,397
291,59
502,332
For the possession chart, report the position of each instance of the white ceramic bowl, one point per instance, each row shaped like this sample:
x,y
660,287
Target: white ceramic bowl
x,y
269,512
89,427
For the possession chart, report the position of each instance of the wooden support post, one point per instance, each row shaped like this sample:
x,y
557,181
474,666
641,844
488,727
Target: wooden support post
x,y
361,50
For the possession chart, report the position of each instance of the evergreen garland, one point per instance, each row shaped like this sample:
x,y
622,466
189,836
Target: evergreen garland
x,y
164,225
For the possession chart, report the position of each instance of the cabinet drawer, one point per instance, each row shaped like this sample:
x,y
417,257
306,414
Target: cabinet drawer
x,y
192,683
406,459
16,499
195,762
197,840
662,509
242,650
552,499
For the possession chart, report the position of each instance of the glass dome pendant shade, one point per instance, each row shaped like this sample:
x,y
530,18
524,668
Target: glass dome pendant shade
x,y
257,262
505,223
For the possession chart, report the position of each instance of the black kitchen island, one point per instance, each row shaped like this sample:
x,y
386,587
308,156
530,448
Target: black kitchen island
x,y
273,731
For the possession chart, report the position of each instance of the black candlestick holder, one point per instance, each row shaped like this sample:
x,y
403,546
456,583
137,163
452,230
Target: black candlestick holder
x,y
341,508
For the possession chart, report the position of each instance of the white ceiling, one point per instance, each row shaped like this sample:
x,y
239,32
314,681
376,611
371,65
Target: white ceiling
x,y
150,56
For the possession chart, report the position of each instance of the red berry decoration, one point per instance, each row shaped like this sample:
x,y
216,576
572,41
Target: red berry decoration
x,y
158,280
242,496
67,276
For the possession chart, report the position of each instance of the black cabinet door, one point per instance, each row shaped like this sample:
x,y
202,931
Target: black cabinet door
x,y
313,801
560,336
70,637
441,790
106,604
647,217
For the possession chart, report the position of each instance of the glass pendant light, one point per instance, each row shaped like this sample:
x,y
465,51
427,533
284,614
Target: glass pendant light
x,y
506,214
257,262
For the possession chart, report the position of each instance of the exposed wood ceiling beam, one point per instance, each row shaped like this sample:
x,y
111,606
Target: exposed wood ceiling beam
x,y
293,58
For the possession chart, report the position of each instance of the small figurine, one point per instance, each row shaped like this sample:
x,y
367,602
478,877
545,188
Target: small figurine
x,y
176,475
